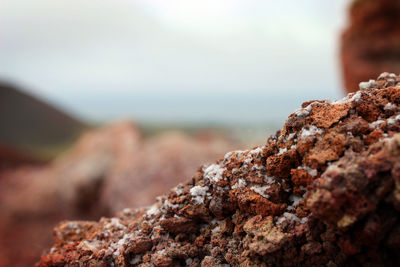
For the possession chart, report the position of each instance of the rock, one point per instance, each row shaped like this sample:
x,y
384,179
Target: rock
x,y
370,44
159,163
108,169
331,197
11,158
34,198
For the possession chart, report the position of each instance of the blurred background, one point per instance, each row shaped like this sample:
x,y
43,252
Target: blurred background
x,y
106,104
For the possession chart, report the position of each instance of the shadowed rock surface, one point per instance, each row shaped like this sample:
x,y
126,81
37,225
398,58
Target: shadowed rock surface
x,y
323,191
371,42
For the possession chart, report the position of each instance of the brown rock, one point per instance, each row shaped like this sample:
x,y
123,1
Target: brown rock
x,y
178,225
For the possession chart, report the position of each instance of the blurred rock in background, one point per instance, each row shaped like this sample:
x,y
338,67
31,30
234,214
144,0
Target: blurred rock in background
x,y
371,42
108,169
10,157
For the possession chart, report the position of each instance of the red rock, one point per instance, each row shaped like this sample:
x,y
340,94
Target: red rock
x,y
11,158
345,211
370,44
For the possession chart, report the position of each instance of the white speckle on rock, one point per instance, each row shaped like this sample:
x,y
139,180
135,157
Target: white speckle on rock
x,y
295,199
282,151
376,124
93,245
269,179
124,240
161,252
256,151
216,229
214,173
303,220
261,190
169,205
366,85
228,156
198,193
303,112
248,160
241,183
154,210
312,172
115,223
385,75
137,259
390,106
311,131
287,216
117,247
391,121
349,98
291,136
178,189
257,167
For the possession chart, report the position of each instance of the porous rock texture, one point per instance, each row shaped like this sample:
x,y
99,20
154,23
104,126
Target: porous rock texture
x,y
322,191
371,42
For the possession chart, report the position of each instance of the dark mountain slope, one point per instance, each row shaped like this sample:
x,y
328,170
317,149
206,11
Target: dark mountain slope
x,y
33,126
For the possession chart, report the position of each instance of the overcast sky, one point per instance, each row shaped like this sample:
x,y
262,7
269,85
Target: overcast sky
x,y
174,60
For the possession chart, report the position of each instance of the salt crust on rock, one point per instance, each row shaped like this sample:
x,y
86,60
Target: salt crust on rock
x,y
324,190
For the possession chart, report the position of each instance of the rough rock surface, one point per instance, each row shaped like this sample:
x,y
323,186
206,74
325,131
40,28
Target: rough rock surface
x,y
371,42
323,191
108,168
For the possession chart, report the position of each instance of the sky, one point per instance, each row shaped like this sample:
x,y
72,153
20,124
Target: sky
x,y
221,61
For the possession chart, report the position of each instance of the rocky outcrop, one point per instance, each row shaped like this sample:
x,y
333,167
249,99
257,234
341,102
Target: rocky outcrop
x,y
322,191
108,168
370,44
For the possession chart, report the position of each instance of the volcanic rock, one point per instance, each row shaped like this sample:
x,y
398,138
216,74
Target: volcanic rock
x,y
370,44
322,191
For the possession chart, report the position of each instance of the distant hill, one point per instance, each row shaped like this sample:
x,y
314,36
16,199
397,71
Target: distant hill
x,y
33,126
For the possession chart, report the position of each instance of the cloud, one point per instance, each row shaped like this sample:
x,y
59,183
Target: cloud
x,y
64,47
